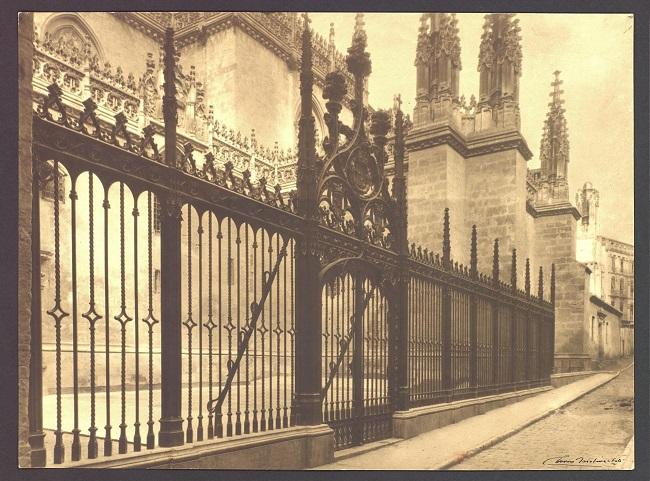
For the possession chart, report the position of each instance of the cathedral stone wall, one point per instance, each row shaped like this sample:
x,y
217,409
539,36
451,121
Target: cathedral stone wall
x,y
247,84
555,236
436,180
488,190
121,44
216,66
272,107
555,244
571,295
496,203
532,251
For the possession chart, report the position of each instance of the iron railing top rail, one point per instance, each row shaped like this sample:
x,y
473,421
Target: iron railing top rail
x,y
335,244
112,160
461,278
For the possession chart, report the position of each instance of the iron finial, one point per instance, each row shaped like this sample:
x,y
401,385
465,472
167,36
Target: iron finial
x,y
446,241
495,262
513,270
474,253
553,284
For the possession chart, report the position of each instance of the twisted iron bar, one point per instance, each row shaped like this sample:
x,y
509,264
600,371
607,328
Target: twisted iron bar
x,y
256,311
354,318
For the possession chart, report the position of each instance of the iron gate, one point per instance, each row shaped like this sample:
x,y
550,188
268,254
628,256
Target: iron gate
x,y
356,400
351,250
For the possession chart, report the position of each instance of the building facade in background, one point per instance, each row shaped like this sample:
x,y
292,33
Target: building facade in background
x,y
612,277
471,156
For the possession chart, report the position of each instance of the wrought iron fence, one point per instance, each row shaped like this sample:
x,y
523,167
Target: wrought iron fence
x,y
472,335
497,341
245,309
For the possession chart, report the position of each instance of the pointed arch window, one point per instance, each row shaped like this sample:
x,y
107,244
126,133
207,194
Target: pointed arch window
x,y
70,34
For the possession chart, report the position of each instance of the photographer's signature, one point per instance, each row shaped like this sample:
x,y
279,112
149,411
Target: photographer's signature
x,y
583,461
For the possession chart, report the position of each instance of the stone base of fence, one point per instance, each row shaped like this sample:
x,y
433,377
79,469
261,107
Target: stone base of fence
x,y
571,362
293,448
407,424
561,379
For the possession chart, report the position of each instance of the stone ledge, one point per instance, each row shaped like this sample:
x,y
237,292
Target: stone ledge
x,y
561,379
407,424
556,209
293,448
571,362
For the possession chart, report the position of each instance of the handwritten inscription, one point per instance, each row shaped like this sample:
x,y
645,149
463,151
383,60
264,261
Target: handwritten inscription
x,y
595,461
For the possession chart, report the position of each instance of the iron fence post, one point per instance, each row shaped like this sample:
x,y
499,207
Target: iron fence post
x,y
552,322
495,318
171,422
308,289
357,360
35,406
400,331
513,323
171,431
447,381
527,327
473,318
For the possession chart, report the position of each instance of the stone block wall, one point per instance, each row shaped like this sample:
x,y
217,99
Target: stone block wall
x,y
436,179
496,203
487,190
556,244
216,67
25,49
248,85
571,290
555,239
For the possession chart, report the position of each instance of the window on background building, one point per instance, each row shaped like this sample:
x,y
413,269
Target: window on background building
x,y
622,287
613,264
613,289
622,265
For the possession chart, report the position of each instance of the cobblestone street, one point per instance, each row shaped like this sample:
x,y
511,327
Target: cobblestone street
x,y
595,427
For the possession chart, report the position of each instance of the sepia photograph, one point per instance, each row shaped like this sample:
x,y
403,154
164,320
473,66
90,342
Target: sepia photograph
x,y
326,240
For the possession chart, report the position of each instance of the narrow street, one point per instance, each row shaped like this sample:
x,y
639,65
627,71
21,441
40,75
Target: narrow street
x,y
590,433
